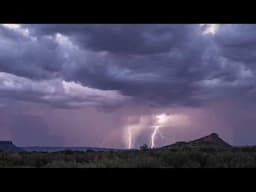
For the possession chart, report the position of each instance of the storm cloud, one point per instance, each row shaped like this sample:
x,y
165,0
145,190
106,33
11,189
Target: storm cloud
x,y
134,59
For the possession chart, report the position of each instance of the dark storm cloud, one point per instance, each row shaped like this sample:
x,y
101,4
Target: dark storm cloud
x,y
151,62
160,64
234,60
34,58
124,39
238,43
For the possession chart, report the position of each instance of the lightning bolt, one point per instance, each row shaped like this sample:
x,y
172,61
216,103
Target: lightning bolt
x,y
129,139
160,121
156,128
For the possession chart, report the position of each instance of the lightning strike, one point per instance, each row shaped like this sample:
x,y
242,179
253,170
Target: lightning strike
x,y
156,122
160,121
153,136
129,139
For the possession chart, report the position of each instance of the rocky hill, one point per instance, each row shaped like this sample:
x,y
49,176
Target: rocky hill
x,y
212,140
9,146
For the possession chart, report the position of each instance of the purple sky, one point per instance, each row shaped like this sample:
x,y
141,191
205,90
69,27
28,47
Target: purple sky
x,y
105,85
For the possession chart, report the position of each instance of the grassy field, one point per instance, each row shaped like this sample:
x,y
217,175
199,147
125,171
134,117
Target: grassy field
x,y
202,157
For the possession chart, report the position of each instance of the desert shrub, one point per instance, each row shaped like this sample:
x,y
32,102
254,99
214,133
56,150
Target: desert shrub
x,y
208,149
248,149
191,164
157,158
144,161
144,147
212,162
225,158
200,157
16,159
177,159
150,162
90,151
108,163
242,161
68,152
63,164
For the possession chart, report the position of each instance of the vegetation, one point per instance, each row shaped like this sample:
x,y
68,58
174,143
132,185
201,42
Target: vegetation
x,y
144,147
180,157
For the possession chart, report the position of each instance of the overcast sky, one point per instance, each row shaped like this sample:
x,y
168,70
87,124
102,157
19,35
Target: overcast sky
x,y
104,85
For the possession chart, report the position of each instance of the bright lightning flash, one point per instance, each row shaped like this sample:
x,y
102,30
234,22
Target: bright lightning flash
x,y
129,139
153,136
161,120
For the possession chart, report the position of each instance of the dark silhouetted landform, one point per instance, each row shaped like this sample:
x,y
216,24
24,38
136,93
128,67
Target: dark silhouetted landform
x,y
9,146
212,140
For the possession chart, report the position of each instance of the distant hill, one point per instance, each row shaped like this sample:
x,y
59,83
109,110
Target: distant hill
x,y
9,146
212,140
